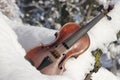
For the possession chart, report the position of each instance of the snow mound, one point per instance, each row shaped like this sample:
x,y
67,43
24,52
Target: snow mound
x,y
15,67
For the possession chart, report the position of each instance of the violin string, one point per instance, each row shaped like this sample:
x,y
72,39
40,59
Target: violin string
x,y
61,49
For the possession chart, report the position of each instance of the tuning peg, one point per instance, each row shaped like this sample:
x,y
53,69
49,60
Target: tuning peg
x,y
108,17
111,6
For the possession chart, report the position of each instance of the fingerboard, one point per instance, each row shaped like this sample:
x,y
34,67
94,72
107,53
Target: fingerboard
x,y
82,31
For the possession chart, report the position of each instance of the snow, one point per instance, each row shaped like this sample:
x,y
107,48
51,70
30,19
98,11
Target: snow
x,y
17,38
102,74
30,36
9,8
13,65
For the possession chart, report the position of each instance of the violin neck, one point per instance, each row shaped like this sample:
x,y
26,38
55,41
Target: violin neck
x,y
82,31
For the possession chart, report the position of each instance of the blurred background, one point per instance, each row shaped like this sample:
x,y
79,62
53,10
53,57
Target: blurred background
x,y
55,13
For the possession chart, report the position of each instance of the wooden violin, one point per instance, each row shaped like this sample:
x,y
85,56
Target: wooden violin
x,y
71,41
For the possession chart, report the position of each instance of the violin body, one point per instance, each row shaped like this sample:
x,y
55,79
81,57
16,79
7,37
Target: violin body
x,y
71,41
51,58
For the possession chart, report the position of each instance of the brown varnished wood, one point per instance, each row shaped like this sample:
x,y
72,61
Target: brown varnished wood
x,y
67,30
78,48
37,54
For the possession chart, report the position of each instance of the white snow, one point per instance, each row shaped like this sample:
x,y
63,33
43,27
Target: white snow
x,y
13,66
103,74
30,36
9,8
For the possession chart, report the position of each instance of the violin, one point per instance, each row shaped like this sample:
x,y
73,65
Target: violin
x,y
71,41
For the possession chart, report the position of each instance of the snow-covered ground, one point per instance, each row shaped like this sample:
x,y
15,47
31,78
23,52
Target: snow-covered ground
x,y
16,38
